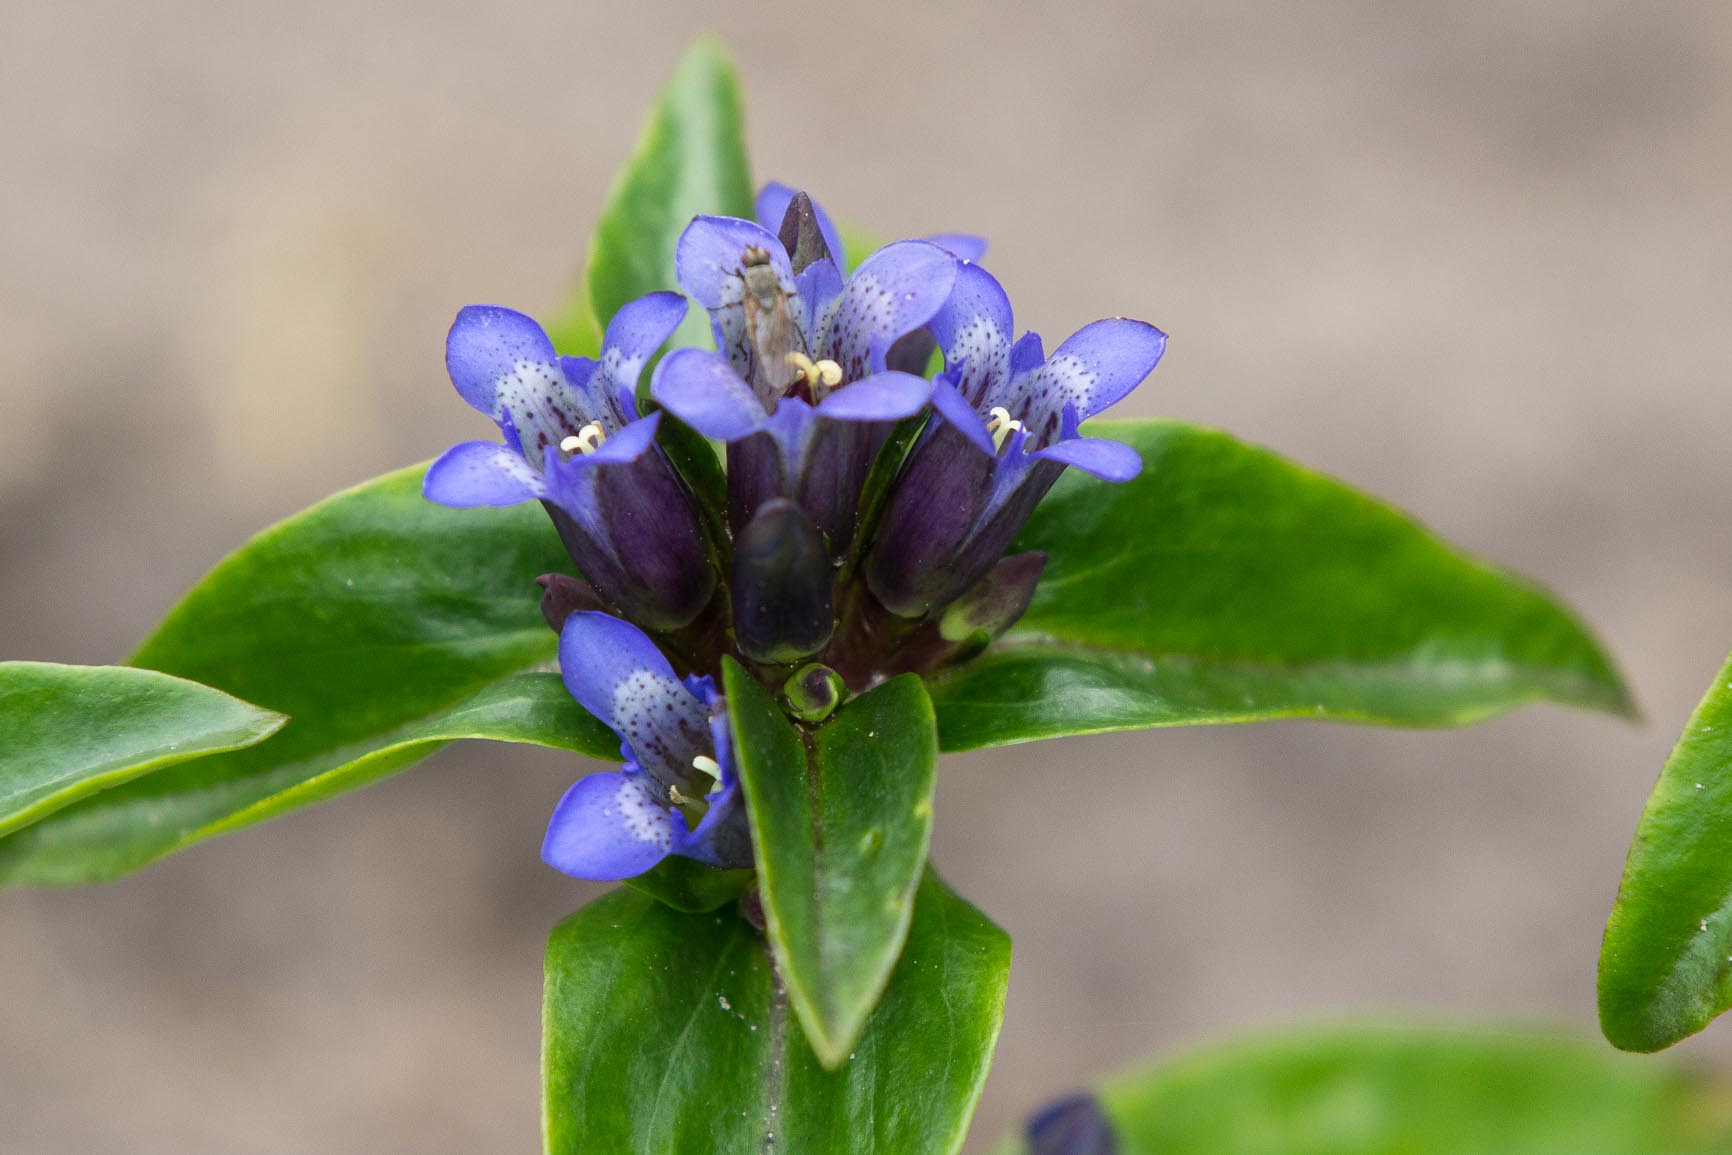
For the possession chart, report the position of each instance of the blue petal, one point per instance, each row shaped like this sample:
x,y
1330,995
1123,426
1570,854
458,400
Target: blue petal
x,y
962,246
486,343
1026,354
608,826
881,397
616,673
1093,368
895,291
772,207
954,408
633,336
702,389
481,473
818,285
629,443
1107,460
708,258
974,329
721,838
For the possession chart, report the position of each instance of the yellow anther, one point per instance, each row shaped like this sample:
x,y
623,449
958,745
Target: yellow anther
x,y
825,374
677,798
999,424
708,765
586,440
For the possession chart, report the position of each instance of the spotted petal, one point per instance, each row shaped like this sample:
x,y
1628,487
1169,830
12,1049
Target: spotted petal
x,y
608,826
1092,369
974,329
633,336
895,291
481,473
487,343
710,252
616,673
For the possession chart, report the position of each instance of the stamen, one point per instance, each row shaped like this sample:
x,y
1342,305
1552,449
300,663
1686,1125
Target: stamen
x,y
708,765
818,375
1000,425
586,440
674,795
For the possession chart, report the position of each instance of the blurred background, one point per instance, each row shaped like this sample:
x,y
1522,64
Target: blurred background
x,y
1475,256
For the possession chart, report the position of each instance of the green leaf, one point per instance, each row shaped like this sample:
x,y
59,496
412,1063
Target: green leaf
x,y
691,159
665,1032
1666,960
380,623
67,732
1415,1091
691,886
1227,584
841,818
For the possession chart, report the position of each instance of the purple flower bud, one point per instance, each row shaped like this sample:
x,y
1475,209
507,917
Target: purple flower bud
x,y
1074,1125
562,596
781,586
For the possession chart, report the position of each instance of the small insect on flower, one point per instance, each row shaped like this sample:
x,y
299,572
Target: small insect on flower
x,y
770,326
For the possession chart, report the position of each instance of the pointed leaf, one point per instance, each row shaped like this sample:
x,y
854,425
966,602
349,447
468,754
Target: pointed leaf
x,y
691,159
67,732
666,1032
841,818
380,623
1416,1091
1666,961
1227,584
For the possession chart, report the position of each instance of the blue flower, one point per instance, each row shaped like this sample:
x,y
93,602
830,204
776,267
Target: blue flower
x,y
573,439
677,792
800,386
1005,425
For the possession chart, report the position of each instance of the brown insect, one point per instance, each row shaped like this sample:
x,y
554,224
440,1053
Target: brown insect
x,y
771,334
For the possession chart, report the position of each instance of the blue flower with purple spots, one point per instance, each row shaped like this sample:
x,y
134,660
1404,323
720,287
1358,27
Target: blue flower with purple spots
x,y
573,439
1006,423
800,385
677,792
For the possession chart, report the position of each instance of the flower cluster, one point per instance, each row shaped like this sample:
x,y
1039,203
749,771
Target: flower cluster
x,y
866,514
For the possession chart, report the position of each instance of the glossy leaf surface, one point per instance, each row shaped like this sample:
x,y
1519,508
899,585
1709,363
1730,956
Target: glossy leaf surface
x,y
666,1032
67,732
1666,961
841,818
382,624
1415,1091
1227,584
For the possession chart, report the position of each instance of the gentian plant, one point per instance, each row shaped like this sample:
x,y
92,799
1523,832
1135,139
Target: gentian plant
x,y
774,515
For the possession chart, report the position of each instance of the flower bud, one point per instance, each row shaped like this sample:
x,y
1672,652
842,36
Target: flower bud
x,y
563,595
781,586
812,692
1074,1125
